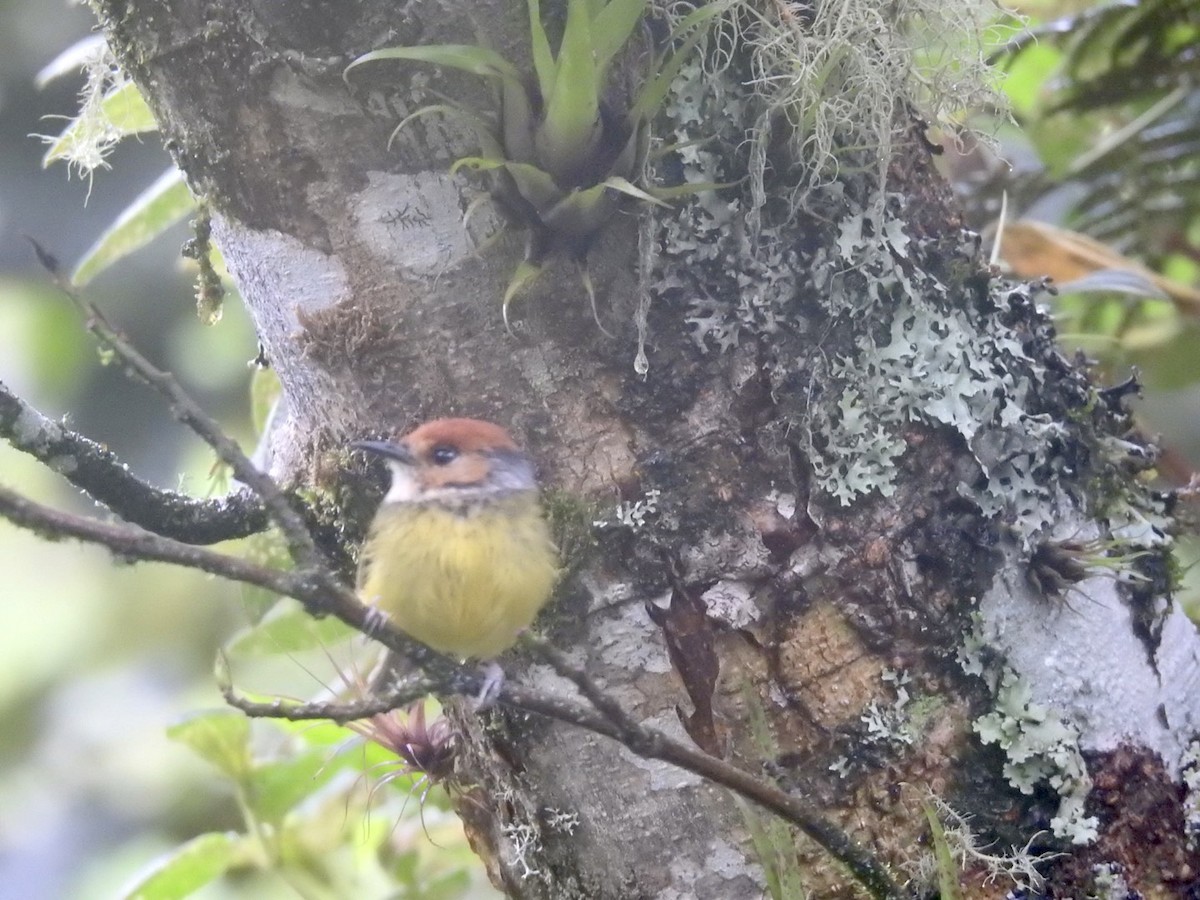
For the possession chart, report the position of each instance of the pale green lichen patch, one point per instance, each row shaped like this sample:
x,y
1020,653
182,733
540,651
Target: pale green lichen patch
x,y
931,360
890,723
1040,748
967,850
732,290
1038,745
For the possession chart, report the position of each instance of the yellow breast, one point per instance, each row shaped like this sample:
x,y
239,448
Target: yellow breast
x,y
463,582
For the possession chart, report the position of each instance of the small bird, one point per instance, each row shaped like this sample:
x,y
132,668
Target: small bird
x,y
459,555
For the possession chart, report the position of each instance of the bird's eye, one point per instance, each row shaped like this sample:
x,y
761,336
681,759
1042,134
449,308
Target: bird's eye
x,y
443,454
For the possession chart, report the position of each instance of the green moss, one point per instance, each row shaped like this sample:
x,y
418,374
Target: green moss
x,y
923,712
571,517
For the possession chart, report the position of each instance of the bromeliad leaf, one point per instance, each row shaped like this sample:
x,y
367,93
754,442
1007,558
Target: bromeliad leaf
x,y
585,278
624,186
654,91
578,217
947,870
517,123
524,275
464,57
570,129
536,186
543,59
488,142
565,152
612,28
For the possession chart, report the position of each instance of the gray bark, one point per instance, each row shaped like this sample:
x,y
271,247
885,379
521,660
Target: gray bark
x,y
857,452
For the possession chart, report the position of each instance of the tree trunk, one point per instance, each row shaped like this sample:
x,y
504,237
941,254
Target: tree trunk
x,y
865,531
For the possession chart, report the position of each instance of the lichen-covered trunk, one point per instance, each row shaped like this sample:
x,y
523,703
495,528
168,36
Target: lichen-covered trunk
x,y
831,502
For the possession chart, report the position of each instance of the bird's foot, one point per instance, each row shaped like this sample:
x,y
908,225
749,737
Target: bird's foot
x,y
493,681
375,622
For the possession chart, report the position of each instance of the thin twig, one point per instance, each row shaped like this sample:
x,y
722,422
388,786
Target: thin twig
x,y
606,705
300,543
133,543
400,695
98,471
612,721
653,744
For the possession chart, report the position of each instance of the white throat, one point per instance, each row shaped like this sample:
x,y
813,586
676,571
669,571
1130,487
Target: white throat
x,y
404,487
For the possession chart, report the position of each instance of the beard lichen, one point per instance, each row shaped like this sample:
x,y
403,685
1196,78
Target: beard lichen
x,y
808,103
835,79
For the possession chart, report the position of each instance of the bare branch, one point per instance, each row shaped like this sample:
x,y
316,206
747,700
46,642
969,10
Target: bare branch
x,y
133,543
612,722
300,543
401,694
96,470
651,743
321,594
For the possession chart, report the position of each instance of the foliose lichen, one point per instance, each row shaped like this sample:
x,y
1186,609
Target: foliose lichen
x,y
1040,748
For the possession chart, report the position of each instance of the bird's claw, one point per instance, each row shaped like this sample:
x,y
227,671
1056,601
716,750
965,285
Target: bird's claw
x,y
493,682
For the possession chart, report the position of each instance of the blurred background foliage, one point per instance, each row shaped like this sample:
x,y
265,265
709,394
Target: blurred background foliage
x,y
106,767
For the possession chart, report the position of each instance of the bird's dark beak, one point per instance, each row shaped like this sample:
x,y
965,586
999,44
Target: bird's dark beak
x,y
388,450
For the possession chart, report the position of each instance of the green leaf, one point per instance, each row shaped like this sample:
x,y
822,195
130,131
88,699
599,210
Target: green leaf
x,y
612,27
187,868
654,91
535,185
773,848
630,160
524,275
622,185
274,789
543,59
288,628
221,737
517,124
489,144
465,57
947,871
581,214
570,125
124,112
156,209
1027,77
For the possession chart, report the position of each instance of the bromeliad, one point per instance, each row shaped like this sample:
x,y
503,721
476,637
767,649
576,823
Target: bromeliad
x,y
563,159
